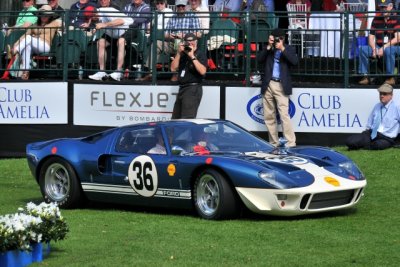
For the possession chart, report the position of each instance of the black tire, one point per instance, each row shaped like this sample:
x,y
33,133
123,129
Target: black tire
x,y
213,196
59,183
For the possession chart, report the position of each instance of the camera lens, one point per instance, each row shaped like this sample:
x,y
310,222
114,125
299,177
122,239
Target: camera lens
x,y
187,48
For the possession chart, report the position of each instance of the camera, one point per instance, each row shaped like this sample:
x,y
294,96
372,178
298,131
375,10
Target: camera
x,y
187,47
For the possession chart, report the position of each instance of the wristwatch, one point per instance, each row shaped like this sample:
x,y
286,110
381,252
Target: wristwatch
x,y
194,58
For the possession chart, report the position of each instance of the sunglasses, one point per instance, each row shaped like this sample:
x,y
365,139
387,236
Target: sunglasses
x,y
26,0
178,6
160,3
384,93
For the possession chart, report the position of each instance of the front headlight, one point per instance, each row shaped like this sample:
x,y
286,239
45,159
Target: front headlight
x,y
352,169
270,176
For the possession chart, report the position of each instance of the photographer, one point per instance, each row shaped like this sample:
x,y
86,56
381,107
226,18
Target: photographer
x,y
191,67
277,58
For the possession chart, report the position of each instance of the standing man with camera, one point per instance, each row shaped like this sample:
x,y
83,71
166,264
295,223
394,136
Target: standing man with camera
x,y
277,58
191,67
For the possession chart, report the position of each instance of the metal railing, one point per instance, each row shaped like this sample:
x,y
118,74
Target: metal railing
x,y
328,48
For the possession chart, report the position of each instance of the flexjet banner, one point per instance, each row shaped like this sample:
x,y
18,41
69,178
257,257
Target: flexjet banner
x,y
34,103
117,105
330,110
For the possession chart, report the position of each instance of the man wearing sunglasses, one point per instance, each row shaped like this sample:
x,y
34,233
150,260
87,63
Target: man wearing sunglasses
x,y
382,126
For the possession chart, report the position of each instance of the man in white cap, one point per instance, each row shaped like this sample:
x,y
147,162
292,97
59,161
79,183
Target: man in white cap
x,y
382,126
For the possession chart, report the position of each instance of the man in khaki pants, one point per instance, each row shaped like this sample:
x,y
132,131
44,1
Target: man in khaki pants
x,y
276,58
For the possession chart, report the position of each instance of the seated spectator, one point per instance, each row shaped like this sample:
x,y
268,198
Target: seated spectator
x,y
302,2
37,39
381,43
164,14
382,126
76,12
204,18
115,24
140,12
181,23
26,17
55,5
329,5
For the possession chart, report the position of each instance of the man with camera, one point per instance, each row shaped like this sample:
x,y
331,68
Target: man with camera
x,y
277,58
191,67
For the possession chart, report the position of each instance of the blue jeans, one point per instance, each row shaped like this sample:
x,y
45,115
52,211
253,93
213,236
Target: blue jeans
x,y
389,55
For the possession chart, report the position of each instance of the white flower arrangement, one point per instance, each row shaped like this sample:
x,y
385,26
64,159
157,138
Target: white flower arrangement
x,y
35,224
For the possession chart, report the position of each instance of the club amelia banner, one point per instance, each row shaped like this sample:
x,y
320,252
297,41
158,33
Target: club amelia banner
x,y
328,110
117,105
34,103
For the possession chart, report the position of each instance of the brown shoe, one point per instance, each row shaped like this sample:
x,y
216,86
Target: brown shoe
x,y
174,78
364,81
391,81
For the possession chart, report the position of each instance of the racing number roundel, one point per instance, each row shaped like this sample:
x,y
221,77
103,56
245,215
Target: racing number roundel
x,y
142,175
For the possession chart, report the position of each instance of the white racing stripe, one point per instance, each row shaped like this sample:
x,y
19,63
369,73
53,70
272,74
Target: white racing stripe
x,y
128,190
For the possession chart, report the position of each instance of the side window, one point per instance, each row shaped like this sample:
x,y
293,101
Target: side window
x,y
138,141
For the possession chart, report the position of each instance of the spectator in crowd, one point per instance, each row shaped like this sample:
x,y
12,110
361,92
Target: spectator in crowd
x,y
26,17
164,14
191,66
182,23
261,5
76,12
302,2
37,39
277,58
382,42
140,12
382,126
115,24
331,5
204,18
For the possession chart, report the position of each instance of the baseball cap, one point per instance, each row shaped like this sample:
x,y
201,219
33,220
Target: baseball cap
x,y
180,2
89,12
385,88
278,32
190,37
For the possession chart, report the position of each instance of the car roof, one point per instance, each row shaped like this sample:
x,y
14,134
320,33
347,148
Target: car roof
x,y
178,122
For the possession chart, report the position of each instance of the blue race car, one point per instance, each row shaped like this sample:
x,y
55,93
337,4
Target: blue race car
x,y
215,166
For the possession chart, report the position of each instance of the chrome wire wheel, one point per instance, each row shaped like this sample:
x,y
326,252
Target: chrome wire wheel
x,y
208,195
57,182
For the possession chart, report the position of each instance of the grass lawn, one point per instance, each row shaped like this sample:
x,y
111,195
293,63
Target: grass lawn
x,y
105,235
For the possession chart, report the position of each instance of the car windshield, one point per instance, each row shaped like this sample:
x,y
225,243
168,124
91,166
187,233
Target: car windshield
x,y
218,137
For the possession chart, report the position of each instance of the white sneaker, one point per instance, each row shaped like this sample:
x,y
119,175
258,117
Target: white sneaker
x,y
116,75
98,76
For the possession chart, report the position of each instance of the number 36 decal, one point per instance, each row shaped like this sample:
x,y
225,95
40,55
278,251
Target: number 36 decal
x,y
143,176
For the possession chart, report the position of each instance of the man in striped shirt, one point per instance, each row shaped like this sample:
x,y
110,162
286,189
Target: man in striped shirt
x,y
382,42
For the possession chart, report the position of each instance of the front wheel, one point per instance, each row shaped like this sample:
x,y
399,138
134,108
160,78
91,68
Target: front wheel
x,y
214,198
59,183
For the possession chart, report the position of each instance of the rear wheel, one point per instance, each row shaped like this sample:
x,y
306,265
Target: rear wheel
x,y
59,183
214,198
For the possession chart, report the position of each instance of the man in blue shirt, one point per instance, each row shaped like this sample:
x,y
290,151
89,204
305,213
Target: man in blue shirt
x,y
382,126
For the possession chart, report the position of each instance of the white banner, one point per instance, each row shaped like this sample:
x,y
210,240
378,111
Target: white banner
x,y
117,105
34,103
329,110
